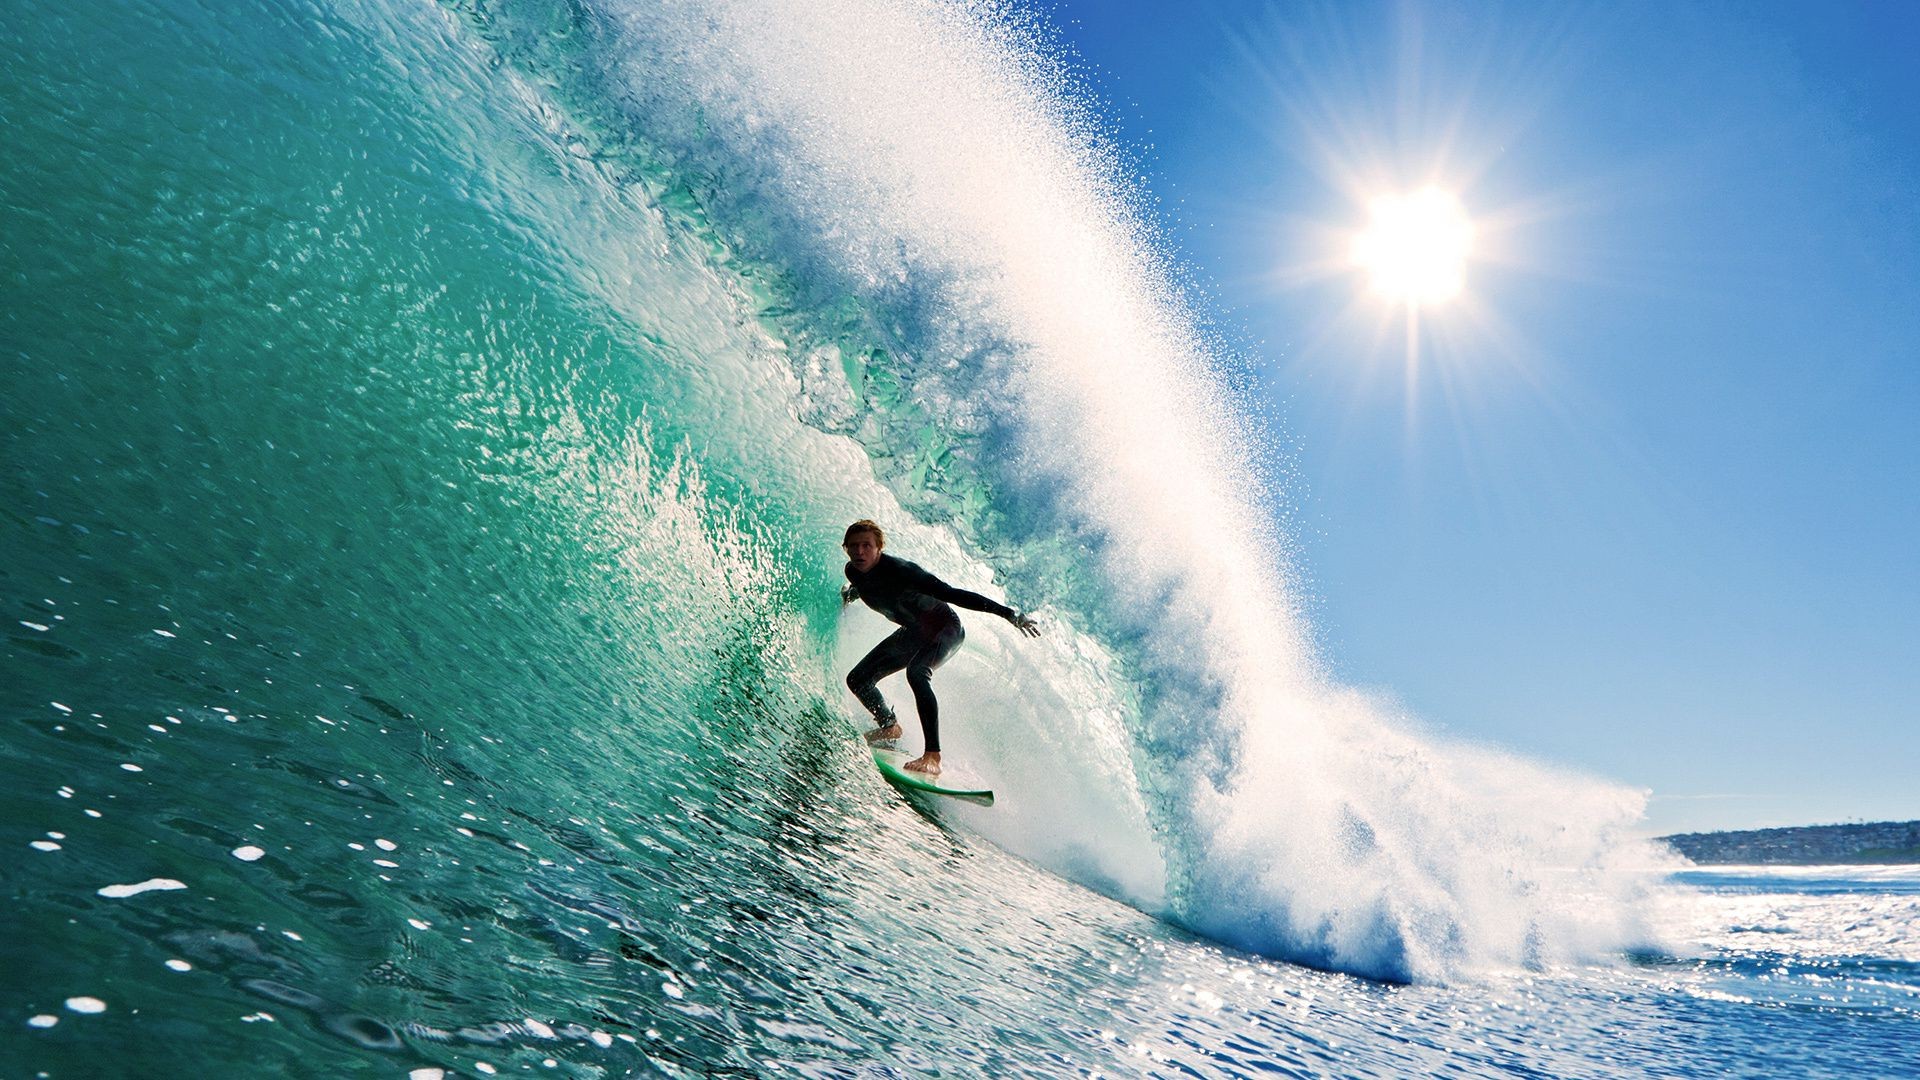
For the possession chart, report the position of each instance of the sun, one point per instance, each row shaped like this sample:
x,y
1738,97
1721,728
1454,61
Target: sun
x,y
1416,247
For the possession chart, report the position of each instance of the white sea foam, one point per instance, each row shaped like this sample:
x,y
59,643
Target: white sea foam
x,y
1806,911
119,892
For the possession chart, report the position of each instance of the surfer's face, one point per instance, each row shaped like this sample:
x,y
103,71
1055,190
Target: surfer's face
x,y
863,551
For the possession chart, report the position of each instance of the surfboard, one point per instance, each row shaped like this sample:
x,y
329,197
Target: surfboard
x,y
889,763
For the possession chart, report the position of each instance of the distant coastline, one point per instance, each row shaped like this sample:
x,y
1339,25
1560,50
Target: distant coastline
x,y
1878,842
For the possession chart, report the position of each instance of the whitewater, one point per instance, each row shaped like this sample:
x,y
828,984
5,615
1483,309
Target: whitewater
x,y
428,431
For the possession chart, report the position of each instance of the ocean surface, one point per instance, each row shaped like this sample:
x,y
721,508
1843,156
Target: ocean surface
x,y
427,432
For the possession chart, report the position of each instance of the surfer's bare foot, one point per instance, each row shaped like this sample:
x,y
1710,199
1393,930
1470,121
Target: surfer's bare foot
x,y
884,734
925,763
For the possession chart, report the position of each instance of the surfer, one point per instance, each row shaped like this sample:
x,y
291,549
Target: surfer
x,y
929,633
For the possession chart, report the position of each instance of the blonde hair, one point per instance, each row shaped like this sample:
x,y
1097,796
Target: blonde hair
x,y
865,526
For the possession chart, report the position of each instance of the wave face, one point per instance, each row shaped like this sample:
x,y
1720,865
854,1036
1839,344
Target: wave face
x,y
428,433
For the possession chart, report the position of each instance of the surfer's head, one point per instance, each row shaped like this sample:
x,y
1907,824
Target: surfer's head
x,y
864,543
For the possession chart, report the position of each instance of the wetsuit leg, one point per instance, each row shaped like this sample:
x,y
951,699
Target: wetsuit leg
x,y
894,652
931,653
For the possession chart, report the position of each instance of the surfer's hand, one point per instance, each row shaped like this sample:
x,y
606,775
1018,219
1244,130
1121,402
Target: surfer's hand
x,y
1025,624
848,594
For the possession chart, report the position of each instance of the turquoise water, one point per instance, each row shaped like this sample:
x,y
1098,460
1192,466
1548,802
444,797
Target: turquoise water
x,y
427,429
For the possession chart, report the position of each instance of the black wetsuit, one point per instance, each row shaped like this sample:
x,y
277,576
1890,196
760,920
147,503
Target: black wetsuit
x,y
929,633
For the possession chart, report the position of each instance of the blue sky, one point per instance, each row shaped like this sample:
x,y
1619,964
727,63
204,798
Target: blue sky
x,y
1648,504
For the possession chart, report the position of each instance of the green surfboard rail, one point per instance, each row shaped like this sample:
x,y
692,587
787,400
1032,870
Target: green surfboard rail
x,y
889,762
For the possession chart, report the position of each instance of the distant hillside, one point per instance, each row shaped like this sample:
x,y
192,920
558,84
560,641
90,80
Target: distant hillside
x,y
1881,842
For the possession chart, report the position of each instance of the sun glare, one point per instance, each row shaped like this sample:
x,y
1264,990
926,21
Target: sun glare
x,y
1416,247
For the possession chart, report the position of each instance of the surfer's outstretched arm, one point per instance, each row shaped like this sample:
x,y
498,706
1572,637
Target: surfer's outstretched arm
x,y
973,601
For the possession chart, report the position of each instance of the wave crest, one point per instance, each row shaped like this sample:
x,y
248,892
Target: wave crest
x,y
923,214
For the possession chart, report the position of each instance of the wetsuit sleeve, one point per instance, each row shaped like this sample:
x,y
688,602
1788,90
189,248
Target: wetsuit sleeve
x,y
924,582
